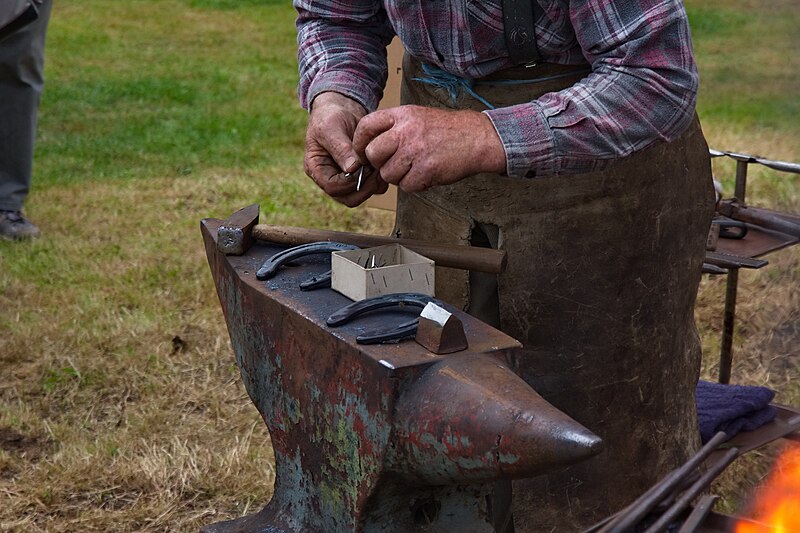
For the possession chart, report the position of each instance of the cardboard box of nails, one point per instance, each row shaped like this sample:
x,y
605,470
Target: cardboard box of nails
x,y
389,269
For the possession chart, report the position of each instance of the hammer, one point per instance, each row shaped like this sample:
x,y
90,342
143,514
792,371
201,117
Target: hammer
x,y
241,229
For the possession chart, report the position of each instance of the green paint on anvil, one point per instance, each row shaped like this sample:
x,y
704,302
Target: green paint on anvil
x,y
336,505
453,440
489,458
428,439
332,500
297,496
257,361
338,428
507,458
349,469
245,340
291,408
322,495
316,394
346,451
443,449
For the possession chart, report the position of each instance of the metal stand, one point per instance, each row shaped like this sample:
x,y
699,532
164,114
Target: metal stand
x,y
729,320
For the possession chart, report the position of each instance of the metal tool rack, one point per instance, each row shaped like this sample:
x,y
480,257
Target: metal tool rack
x,y
762,242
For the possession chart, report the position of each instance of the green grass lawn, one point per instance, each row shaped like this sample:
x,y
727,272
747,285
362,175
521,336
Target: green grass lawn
x,y
750,87
140,89
750,79
118,386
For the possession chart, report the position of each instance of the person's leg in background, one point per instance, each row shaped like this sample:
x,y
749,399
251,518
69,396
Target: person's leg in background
x,y
21,83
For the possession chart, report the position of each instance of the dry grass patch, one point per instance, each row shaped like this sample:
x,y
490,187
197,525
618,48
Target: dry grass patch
x,y
121,407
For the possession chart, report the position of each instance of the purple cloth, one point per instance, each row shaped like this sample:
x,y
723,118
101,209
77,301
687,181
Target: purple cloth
x,y
732,408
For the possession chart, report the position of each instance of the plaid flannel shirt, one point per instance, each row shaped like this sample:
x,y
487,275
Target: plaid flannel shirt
x,y
642,87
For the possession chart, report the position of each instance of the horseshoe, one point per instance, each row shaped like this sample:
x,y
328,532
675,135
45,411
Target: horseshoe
x,y
349,312
398,333
316,282
271,265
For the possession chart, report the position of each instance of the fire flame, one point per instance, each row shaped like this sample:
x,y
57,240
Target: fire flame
x,y
777,503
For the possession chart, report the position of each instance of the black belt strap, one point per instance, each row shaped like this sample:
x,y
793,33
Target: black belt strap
x,y
14,19
519,17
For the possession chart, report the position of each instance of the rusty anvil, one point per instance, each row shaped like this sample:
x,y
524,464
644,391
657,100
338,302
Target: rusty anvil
x,y
390,438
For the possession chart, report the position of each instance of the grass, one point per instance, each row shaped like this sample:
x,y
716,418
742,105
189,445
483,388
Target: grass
x,y
161,88
120,405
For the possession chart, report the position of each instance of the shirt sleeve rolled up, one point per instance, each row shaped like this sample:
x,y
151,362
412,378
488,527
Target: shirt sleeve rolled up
x,y
342,48
642,89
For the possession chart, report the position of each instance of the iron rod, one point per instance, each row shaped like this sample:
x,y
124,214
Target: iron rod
x,y
732,286
728,322
783,166
741,180
698,514
686,498
634,513
760,217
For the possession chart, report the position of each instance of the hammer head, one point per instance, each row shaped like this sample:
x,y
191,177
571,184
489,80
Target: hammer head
x,y
235,235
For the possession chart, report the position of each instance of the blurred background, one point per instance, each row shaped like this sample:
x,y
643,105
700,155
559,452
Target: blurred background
x,y
121,408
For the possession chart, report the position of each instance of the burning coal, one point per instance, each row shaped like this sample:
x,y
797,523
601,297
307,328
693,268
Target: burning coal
x,y
777,504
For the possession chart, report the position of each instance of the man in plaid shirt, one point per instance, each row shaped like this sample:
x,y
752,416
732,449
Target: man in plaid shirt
x,y
642,87
589,169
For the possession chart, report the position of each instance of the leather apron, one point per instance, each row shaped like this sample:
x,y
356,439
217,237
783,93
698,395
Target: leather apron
x,y
602,275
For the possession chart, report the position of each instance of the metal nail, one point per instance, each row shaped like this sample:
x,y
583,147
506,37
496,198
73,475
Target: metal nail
x,y
360,176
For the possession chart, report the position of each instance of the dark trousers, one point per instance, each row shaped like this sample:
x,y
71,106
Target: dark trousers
x,y
21,83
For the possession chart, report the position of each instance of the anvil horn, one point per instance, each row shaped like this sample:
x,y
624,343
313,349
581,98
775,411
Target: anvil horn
x,y
472,419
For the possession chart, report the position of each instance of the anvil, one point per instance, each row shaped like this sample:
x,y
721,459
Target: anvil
x,y
389,438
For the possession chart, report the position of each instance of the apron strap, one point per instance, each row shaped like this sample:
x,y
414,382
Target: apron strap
x,y
519,18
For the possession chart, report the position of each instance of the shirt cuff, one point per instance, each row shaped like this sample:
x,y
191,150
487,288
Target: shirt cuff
x,y
346,84
526,138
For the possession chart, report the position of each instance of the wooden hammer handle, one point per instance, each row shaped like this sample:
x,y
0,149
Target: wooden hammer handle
x,y
446,255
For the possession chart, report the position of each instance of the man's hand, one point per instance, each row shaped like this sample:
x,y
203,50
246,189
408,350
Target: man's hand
x,y
417,147
329,150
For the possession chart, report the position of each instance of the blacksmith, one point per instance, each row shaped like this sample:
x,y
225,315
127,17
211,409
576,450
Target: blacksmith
x,y
563,132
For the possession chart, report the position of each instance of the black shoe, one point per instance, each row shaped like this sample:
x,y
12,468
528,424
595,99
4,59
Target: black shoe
x,y
15,227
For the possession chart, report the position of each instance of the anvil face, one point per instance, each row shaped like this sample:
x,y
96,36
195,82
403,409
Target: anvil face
x,y
385,437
